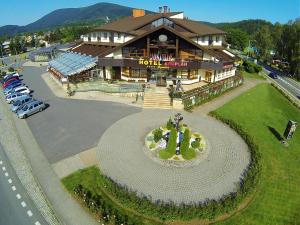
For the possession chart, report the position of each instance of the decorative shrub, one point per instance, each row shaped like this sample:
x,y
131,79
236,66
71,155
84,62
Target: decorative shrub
x,y
11,69
152,145
195,144
185,143
170,124
171,145
157,134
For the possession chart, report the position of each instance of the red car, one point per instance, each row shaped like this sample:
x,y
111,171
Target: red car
x,y
8,82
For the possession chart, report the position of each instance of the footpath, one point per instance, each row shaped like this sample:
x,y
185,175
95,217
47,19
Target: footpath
x,y
36,174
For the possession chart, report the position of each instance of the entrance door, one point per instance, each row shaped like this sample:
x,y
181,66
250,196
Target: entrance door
x,y
208,76
160,77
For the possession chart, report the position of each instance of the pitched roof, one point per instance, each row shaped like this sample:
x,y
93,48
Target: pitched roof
x,y
205,48
197,27
130,23
91,49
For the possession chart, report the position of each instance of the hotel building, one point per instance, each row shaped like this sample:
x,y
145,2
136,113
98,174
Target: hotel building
x,y
161,48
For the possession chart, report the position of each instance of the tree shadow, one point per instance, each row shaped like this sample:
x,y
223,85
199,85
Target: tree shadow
x,y
275,133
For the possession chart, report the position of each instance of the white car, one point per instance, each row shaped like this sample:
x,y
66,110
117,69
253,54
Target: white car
x,y
22,89
11,75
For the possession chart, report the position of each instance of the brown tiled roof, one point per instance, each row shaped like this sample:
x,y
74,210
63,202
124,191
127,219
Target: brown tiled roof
x,y
91,49
218,52
197,27
130,23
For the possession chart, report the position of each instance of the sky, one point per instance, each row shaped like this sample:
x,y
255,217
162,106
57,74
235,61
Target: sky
x,y
20,12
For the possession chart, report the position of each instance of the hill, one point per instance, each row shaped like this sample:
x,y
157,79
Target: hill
x,y
249,26
64,16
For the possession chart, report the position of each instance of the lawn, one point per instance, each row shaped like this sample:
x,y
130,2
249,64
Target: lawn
x,y
263,113
252,75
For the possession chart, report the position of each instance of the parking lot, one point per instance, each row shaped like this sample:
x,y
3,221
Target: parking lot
x,y
69,126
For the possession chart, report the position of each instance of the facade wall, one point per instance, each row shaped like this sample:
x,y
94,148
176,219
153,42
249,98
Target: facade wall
x,y
106,37
204,40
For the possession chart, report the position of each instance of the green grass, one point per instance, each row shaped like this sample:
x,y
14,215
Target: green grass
x,y
277,200
252,75
92,179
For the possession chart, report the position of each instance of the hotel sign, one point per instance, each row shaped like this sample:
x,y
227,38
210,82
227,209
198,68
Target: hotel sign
x,y
162,64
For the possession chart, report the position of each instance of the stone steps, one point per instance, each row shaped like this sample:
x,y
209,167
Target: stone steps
x,y
157,100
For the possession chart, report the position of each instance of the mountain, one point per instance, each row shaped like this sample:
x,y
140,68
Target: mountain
x,y
249,26
60,17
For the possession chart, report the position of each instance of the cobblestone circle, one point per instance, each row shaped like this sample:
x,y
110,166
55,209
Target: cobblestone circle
x,y
122,158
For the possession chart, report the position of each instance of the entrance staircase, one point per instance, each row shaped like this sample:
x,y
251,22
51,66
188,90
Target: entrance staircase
x,y
158,98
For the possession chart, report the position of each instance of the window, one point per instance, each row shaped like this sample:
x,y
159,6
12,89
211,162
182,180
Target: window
x,y
202,38
105,35
193,74
139,73
217,38
119,36
163,21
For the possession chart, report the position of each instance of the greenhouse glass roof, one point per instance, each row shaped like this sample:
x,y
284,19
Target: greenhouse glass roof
x,y
70,63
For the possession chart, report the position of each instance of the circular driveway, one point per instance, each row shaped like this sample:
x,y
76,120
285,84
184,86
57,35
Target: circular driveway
x,y
121,154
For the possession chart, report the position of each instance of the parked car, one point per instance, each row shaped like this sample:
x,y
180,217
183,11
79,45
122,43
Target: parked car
x,y
6,82
31,108
21,89
20,102
10,83
11,75
12,86
13,97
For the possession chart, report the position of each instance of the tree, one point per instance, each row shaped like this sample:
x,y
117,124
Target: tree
x,y
237,38
263,42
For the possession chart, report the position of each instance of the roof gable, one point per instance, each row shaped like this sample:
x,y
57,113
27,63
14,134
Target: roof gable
x,y
154,30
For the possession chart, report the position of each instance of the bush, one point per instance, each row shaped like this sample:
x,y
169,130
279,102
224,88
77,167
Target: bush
x,y
157,133
171,146
11,69
195,144
185,143
170,124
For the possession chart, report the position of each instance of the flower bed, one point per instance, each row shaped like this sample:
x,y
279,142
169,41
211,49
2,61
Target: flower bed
x,y
168,144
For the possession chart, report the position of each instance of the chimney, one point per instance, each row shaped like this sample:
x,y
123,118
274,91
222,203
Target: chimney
x,y
160,9
165,8
138,13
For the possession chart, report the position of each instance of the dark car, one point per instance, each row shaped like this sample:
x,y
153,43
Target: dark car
x,y
9,76
273,75
8,82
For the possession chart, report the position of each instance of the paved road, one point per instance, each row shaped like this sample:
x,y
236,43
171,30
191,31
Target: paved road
x,y
216,174
289,84
16,207
69,126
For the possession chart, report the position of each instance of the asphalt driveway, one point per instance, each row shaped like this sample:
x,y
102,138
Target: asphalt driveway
x,y
69,126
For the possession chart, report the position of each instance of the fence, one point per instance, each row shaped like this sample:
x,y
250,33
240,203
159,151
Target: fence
x,y
100,85
205,93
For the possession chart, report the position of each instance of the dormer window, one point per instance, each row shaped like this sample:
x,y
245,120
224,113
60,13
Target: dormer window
x,y
162,21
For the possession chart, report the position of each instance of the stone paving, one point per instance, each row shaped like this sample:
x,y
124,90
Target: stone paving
x,y
121,157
